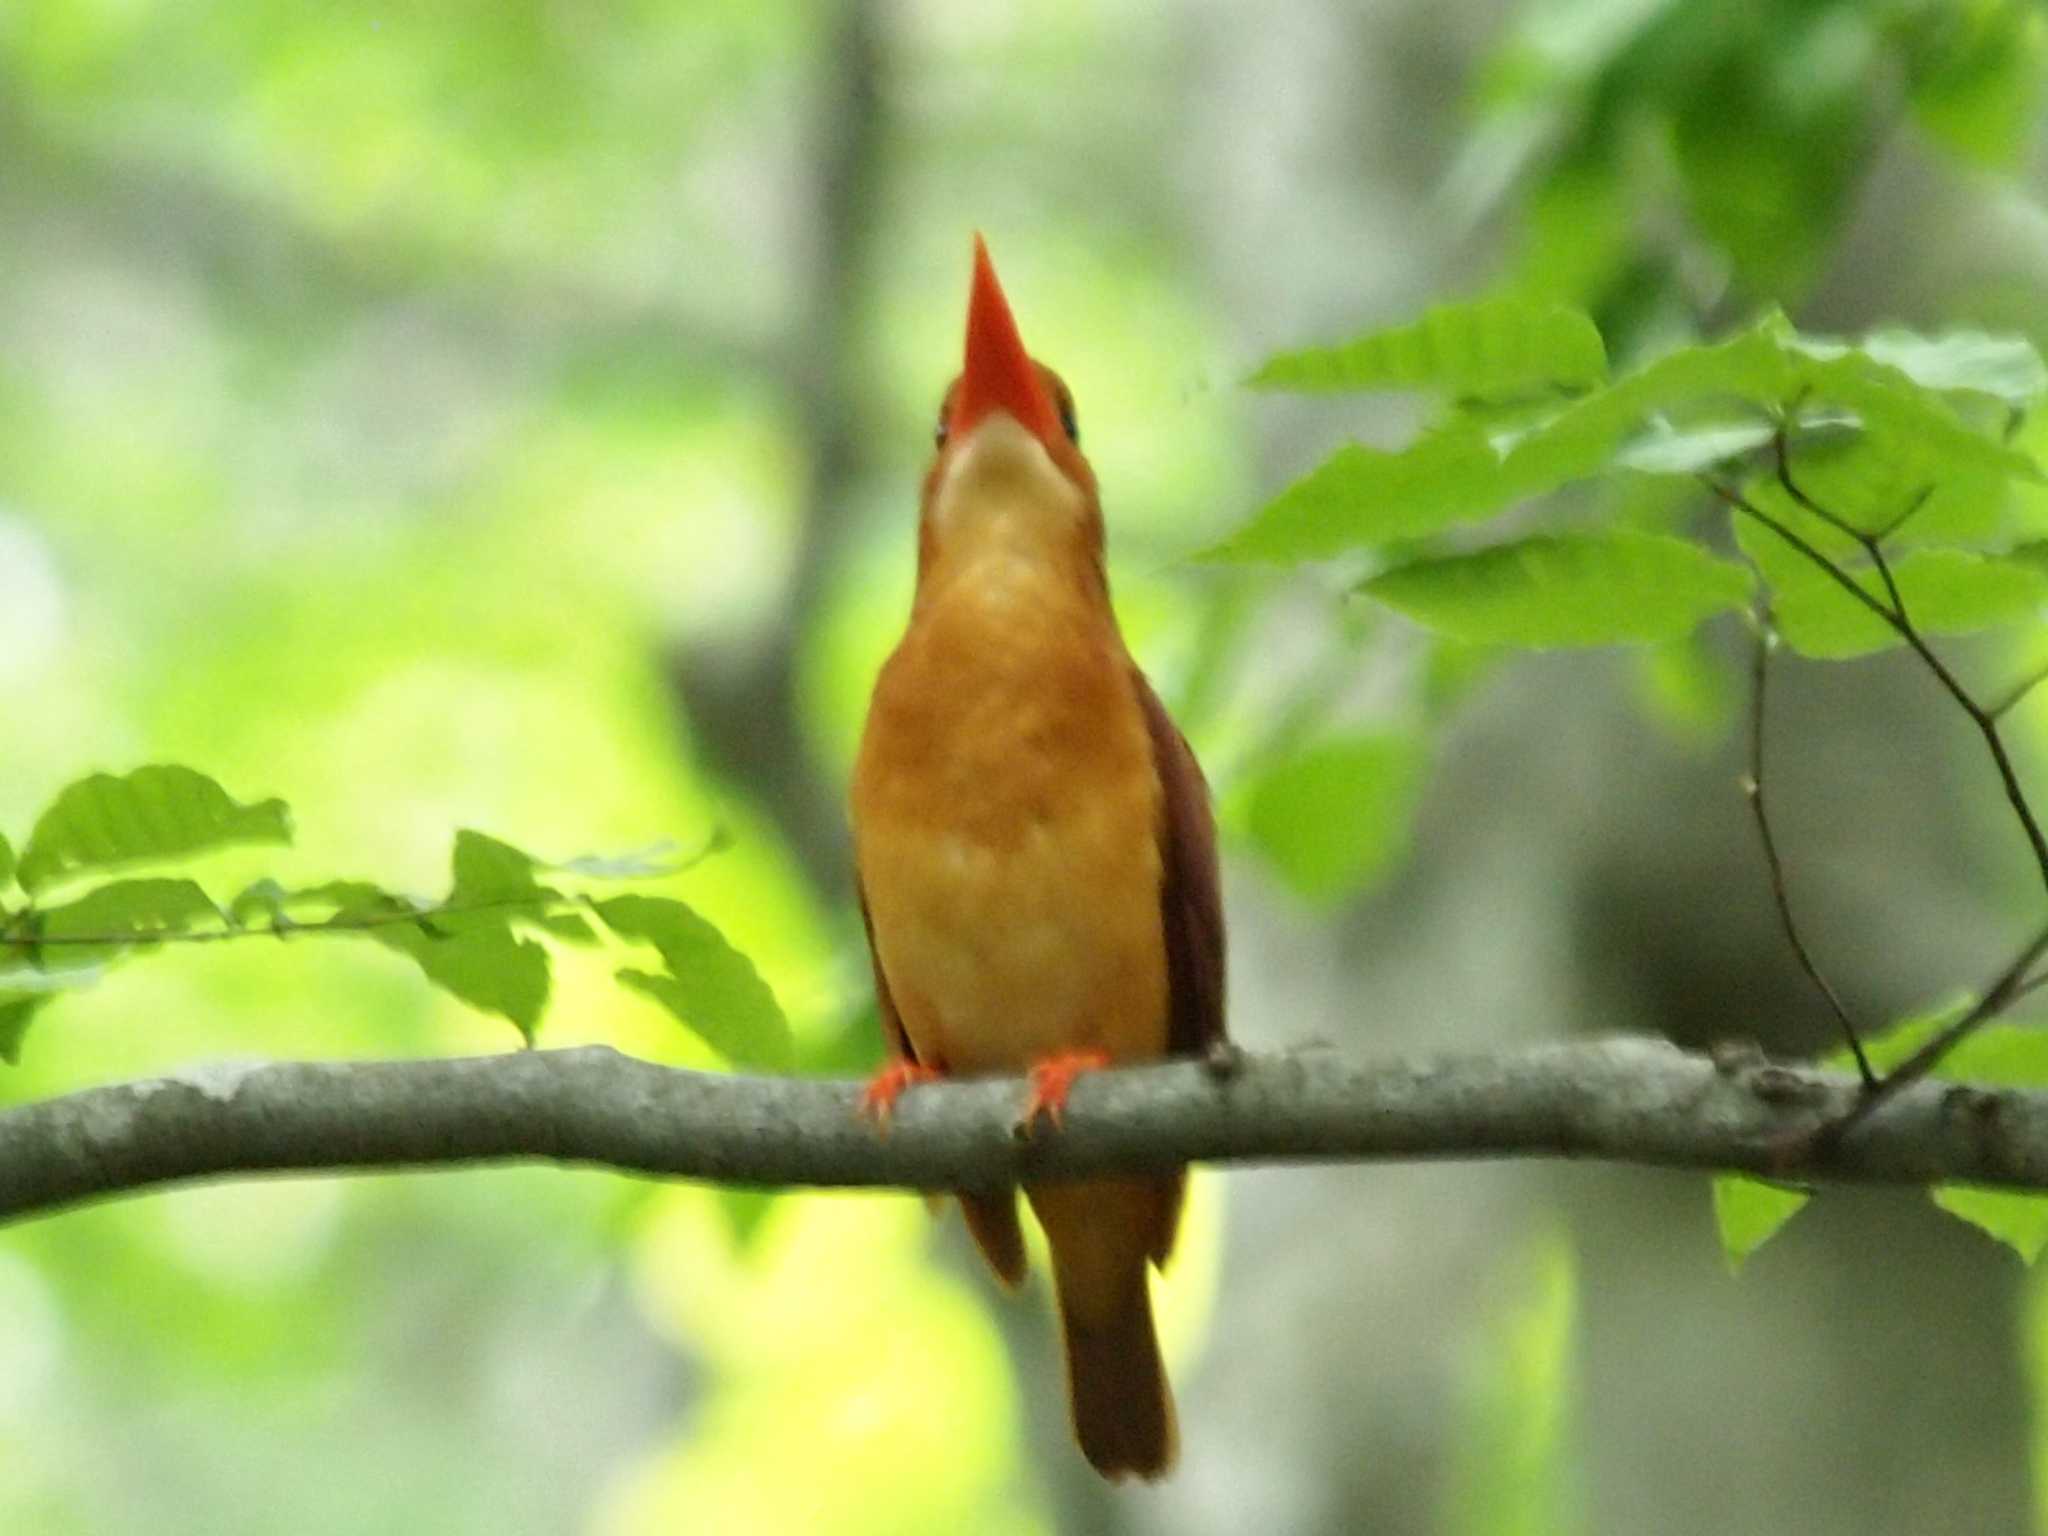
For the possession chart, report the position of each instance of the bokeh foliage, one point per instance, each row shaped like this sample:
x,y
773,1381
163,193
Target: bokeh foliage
x,y
389,397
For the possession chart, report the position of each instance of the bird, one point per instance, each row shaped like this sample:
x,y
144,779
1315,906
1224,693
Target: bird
x,y
1036,856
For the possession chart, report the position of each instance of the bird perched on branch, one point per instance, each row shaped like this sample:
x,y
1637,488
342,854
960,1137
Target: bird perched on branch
x,y
1037,856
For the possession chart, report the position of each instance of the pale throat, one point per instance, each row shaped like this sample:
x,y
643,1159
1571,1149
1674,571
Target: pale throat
x,y
1005,516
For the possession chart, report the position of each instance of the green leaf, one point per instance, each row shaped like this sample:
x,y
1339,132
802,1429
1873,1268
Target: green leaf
x,y
1771,366
1891,1046
21,974
2007,368
484,965
1335,816
710,986
16,1011
131,914
566,926
748,1041
487,870
1760,164
494,885
2019,1221
1686,687
1360,496
1996,1056
1363,496
1667,450
851,1047
1956,592
1809,608
25,987
353,900
1566,591
745,1209
6,861
1752,365
2000,1056
649,863
1485,347
1869,482
1946,592
261,902
1749,1213
1891,404
159,812
1982,98
265,903
473,955
1452,669
1470,469
468,949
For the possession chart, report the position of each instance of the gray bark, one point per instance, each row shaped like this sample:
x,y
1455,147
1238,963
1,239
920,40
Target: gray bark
x,y
1621,1100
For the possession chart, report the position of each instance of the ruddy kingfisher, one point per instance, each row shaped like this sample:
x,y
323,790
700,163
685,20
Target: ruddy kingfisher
x,y
1037,855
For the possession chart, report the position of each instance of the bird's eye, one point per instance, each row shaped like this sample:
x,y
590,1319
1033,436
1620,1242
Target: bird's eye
x,y
939,432
1067,417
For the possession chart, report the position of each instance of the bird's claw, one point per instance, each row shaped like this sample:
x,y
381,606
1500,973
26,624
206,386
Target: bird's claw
x,y
1051,1081
878,1099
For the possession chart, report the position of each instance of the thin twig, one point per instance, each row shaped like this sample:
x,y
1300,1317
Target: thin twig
x,y
2031,985
1781,458
1841,578
1985,721
19,934
1781,465
1753,786
2012,982
2004,991
1918,500
2011,701
547,903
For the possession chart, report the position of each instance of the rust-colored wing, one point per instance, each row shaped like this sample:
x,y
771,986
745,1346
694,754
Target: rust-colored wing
x,y
1190,895
894,1040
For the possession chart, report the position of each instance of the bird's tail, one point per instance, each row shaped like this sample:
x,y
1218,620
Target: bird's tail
x,y
1102,1239
1116,1382
992,1222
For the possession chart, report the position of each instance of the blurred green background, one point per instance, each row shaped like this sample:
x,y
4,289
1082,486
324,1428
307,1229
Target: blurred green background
x,y
508,415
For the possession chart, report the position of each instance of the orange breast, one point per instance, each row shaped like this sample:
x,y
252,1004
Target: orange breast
x,y
1005,819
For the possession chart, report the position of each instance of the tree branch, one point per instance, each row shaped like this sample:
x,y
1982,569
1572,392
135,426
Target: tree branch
x,y
1634,1101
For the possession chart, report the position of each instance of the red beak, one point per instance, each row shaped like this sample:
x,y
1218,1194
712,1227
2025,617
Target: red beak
x,y
998,374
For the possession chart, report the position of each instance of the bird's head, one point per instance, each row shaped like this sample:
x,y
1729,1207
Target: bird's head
x,y
1008,476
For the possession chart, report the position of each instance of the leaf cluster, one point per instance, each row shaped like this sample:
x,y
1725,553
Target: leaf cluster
x,y
1552,501
1914,512
485,941
1896,432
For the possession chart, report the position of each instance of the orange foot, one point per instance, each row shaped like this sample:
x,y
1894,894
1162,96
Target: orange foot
x,y
1052,1079
879,1098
